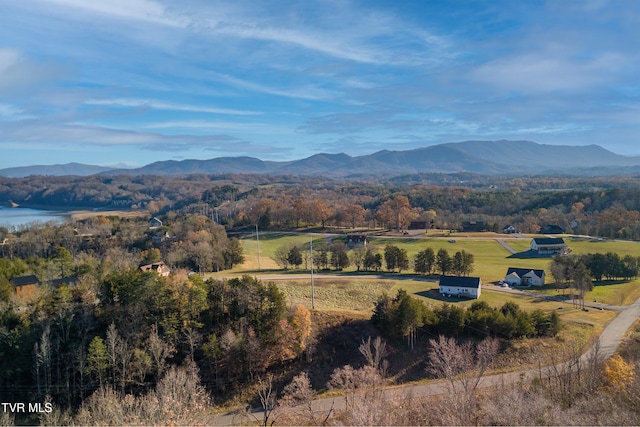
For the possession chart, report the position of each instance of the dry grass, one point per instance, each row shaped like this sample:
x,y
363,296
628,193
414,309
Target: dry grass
x,y
81,215
355,296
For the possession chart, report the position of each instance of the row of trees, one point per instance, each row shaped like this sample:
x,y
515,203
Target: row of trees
x,y
402,316
428,261
396,259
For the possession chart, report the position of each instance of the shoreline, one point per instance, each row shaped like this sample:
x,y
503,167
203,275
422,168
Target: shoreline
x,y
77,212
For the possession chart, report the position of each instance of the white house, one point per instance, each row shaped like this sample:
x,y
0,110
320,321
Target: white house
x,y
524,277
548,246
509,229
468,287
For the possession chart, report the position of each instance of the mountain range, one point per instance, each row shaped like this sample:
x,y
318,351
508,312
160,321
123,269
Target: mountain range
x,y
481,157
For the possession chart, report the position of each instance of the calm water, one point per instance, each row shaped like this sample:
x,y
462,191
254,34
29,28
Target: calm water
x,y
16,217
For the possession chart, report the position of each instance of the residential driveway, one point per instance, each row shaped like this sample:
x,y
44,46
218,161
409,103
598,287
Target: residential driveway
x,y
507,247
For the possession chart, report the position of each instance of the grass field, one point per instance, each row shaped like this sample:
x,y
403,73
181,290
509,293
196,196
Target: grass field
x,y
358,297
491,259
607,292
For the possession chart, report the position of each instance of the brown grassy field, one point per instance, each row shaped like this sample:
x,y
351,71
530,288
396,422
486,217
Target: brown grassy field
x,y
81,215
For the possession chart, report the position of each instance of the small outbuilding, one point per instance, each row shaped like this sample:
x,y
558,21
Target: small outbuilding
x,y
460,286
24,286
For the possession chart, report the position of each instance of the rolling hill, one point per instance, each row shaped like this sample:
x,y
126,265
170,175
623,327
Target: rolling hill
x,y
480,157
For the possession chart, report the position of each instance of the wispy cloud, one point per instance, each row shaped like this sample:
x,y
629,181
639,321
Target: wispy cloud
x,y
32,132
547,72
238,127
141,10
160,105
310,92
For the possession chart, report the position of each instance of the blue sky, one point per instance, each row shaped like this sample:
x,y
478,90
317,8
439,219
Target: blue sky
x,y
130,82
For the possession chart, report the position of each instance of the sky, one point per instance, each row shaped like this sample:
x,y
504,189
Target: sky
x,y
129,82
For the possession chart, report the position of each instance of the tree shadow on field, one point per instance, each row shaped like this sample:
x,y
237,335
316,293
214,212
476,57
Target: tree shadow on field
x,y
529,254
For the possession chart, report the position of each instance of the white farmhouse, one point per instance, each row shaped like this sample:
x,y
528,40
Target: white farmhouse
x,y
459,286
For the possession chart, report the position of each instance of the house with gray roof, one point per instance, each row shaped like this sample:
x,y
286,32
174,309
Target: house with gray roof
x,y
524,277
460,286
549,246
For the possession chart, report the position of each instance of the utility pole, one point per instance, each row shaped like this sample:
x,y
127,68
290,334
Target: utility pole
x,y
258,244
313,307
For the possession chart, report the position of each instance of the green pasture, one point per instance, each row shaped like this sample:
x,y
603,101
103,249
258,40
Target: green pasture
x,y
590,245
491,260
269,242
606,292
519,245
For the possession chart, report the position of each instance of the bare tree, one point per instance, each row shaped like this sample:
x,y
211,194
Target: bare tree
x,y
298,398
463,366
375,352
267,395
159,351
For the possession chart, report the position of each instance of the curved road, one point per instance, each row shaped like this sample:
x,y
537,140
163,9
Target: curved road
x,y
609,341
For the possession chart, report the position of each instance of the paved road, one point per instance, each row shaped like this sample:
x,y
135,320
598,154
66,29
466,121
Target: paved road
x,y
609,341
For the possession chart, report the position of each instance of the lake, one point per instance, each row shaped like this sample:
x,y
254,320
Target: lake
x,y
16,217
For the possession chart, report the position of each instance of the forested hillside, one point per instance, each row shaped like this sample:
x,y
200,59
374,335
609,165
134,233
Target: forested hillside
x,y
599,207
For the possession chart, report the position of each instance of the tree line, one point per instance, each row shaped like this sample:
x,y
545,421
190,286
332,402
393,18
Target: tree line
x,y
606,208
403,317
338,256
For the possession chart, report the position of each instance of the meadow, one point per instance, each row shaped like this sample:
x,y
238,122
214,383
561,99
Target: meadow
x,y
491,259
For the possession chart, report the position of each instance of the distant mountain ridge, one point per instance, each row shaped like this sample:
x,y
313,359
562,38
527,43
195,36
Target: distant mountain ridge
x,y
78,169
480,157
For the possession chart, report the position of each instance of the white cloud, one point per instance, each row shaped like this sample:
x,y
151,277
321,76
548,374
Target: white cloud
x,y
160,105
548,72
29,133
10,112
18,72
142,10
326,44
310,92
241,127
8,58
